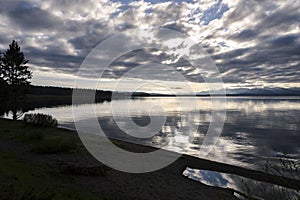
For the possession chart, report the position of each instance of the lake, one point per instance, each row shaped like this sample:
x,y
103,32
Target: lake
x,y
256,129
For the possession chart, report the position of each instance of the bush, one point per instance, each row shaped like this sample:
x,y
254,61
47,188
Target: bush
x,y
40,120
55,145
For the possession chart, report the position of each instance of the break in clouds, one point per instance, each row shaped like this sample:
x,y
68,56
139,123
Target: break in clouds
x,y
253,42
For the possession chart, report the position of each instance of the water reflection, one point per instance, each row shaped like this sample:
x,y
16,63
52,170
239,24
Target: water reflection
x,y
243,187
256,129
211,178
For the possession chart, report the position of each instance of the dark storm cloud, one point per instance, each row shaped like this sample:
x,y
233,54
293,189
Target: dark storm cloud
x,y
133,59
31,17
286,41
51,57
268,48
87,41
281,19
245,35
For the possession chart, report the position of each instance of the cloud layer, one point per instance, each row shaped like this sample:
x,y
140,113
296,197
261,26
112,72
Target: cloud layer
x,y
253,42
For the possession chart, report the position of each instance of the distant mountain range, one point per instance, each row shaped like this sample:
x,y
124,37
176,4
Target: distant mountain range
x,y
258,92
106,95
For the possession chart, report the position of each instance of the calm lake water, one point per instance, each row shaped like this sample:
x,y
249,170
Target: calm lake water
x,y
256,129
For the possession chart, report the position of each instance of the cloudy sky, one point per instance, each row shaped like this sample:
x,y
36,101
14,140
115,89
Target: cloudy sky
x,y
254,43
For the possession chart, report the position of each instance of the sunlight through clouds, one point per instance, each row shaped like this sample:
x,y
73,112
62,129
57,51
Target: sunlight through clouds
x,y
251,42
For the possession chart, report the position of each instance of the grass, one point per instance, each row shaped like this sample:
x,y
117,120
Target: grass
x,y
32,136
74,169
22,180
25,179
55,145
41,140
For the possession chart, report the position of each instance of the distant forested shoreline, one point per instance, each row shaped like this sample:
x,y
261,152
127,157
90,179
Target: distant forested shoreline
x,y
43,96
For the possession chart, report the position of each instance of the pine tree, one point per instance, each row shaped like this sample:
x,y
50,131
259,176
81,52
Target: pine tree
x,y
14,71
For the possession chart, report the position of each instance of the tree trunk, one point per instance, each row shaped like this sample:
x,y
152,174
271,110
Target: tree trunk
x,y
15,104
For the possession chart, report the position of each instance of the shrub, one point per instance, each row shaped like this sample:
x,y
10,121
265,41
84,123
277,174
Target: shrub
x,y
55,145
40,120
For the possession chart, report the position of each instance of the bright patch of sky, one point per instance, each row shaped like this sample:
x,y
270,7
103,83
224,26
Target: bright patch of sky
x,y
215,12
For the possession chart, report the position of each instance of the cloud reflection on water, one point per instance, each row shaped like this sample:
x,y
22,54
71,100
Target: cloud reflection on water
x,y
256,129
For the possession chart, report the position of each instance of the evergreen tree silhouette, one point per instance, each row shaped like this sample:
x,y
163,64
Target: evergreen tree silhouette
x,y
14,71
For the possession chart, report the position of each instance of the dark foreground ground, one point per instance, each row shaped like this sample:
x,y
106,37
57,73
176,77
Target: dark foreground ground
x,y
51,163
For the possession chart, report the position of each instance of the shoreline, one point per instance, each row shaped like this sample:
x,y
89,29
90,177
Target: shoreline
x,y
63,171
160,184
205,164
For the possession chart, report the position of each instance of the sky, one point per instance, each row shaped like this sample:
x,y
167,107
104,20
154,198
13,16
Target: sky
x,y
253,43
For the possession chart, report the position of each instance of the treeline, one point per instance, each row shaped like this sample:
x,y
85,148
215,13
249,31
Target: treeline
x,y
31,97
40,91
43,96
47,90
